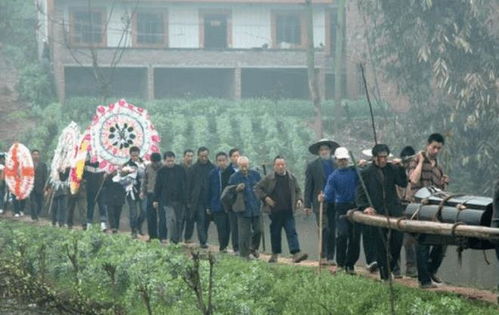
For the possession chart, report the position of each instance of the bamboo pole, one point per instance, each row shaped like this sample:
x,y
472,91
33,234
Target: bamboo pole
x,y
321,213
426,227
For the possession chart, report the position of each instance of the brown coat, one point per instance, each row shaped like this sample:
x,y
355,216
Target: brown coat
x,y
149,180
266,186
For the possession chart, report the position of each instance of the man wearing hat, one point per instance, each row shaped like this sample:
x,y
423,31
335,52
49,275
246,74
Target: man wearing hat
x,y
381,179
316,175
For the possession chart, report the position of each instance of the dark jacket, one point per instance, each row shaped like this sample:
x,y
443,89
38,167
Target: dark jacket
x,y
115,193
198,184
382,189
41,175
93,177
315,182
251,201
266,187
171,185
218,180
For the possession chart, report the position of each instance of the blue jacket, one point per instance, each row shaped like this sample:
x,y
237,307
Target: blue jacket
x,y
341,186
217,181
251,201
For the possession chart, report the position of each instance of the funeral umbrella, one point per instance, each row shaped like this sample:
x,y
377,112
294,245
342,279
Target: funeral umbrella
x,y
118,127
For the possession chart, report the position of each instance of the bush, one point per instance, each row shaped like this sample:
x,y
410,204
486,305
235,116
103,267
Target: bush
x,y
36,85
114,273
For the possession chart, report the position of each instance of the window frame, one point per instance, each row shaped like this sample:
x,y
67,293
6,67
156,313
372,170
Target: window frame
x,y
103,28
206,12
301,16
135,25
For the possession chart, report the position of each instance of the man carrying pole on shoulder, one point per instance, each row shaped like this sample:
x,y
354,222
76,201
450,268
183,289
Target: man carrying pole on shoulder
x,y
380,197
425,171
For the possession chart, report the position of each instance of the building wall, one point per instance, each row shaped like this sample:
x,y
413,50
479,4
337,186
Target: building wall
x,y
118,34
251,28
251,24
183,26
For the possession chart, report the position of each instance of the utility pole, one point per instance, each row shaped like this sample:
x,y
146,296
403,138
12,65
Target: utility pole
x,y
313,84
339,60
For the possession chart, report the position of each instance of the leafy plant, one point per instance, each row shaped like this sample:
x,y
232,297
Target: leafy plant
x,y
119,275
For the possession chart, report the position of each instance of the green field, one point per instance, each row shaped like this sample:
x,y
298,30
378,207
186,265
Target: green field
x,y
95,273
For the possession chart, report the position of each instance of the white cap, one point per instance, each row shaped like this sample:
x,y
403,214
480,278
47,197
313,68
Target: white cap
x,y
341,153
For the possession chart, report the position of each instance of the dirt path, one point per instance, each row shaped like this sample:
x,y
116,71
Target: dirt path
x,y
465,292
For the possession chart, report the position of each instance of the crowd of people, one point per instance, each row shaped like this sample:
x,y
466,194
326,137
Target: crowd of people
x,y
177,199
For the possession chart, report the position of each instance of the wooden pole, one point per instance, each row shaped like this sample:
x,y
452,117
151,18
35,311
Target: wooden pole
x,y
426,227
321,211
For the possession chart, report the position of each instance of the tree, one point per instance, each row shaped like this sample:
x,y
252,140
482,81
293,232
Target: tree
x,y
313,85
444,56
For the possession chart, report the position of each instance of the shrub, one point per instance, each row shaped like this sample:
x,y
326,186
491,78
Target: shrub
x,y
113,273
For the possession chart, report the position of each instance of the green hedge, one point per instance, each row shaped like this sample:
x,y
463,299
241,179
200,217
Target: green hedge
x,y
113,271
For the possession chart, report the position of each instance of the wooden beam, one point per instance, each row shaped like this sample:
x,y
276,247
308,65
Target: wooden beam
x,y
424,227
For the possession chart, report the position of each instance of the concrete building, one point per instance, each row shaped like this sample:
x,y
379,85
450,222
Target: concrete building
x,y
190,48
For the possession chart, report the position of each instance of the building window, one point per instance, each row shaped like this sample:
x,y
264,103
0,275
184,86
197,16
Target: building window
x,y
150,29
88,27
288,30
215,30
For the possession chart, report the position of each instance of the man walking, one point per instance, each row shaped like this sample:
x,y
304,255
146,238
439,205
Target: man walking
x,y
60,199
218,180
41,175
78,202
234,155
249,227
147,193
381,179
425,171
134,171
282,196
188,218
405,195
316,175
198,198
340,190
169,198
94,182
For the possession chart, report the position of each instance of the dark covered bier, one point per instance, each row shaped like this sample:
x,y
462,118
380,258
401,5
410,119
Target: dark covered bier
x,y
434,205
